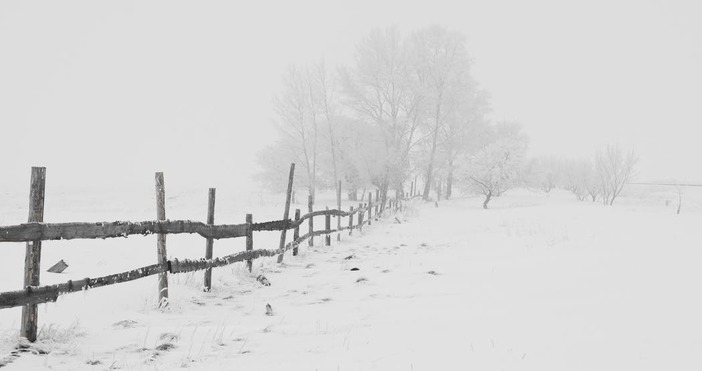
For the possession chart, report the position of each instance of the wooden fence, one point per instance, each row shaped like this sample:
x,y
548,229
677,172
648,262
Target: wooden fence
x,y
35,231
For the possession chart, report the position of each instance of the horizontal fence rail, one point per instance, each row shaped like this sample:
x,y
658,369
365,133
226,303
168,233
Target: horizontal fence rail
x,y
102,230
50,293
34,232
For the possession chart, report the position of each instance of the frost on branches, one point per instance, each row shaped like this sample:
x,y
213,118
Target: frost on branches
x,y
495,169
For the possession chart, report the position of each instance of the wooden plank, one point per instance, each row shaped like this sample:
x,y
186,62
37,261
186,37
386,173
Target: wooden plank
x,y
327,226
332,212
310,229
161,254
338,207
360,216
276,225
377,203
187,265
296,231
32,262
286,213
69,231
209,243
370,207
350,220
249,240
36,295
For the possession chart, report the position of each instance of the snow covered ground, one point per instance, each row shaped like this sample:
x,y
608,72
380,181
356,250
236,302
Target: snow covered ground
x,y
538,282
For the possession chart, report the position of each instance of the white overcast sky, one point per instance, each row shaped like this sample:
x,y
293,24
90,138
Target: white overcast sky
x,y
108,91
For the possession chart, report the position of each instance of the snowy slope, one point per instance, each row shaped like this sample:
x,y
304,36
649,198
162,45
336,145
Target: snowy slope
x,y
539,282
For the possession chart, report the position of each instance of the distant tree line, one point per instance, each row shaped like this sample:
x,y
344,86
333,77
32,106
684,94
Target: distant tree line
x,y
601,178
406,110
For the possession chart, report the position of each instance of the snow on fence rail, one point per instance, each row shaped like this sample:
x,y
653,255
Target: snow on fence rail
x,y
35,231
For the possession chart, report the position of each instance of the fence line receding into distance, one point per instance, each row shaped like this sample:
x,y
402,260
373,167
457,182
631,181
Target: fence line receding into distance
x,y
35,231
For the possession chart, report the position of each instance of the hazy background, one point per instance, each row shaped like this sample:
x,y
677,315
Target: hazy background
x,y
110,92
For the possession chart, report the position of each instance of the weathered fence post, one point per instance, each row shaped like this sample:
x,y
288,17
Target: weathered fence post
x,y
412,188
209,243
370,207
361,212
338,207
32,260
310,222
286,213
327,226
296,231
249,239
377,203
162,256
350,220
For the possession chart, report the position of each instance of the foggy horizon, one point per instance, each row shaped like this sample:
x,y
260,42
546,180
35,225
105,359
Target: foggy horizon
x,y
106,92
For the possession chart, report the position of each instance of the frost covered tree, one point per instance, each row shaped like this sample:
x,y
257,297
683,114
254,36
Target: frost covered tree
x,y
548,172
465,131
440,59
298,121
614,169
578,176
407,107
382,89
358,146
307,113
324,99
495,169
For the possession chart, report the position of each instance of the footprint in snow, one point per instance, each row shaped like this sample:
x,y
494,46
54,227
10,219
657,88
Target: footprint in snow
x,y
165,347
168,337
127,323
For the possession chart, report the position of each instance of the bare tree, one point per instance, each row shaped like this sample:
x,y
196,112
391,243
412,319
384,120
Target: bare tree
x,y
325,101
297,109
614,169
578,176
382,89
441,61
465,131
495,169
549,172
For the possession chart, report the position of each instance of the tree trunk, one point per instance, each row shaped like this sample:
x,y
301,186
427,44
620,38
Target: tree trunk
x,y
312,193
416,185
449,183
430,168
399,190
487,199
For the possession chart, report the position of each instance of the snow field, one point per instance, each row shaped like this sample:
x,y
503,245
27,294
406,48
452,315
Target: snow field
x,y
539,282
